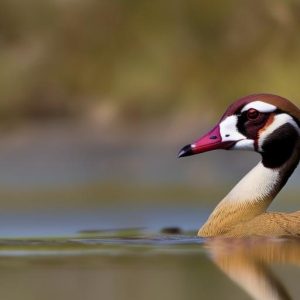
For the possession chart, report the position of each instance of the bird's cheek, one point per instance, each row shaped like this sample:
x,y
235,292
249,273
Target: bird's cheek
x,y
252,132
247,144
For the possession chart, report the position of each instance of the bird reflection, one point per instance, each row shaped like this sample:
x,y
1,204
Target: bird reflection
x,y
246,262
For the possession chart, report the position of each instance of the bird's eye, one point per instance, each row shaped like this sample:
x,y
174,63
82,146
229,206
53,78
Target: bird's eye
x,y
252,114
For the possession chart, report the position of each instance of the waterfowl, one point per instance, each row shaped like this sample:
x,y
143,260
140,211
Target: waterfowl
x,y
267,124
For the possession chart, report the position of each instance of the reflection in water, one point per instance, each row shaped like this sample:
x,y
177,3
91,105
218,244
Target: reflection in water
x,y
136,264
247,261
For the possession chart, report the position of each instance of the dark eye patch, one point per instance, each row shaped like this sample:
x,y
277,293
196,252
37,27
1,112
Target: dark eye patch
x,y
251,127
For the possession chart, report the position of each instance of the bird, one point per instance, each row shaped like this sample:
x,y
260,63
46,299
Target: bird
x,y
269,125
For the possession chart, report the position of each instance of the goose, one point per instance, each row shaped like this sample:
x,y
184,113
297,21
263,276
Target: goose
x,y
267,124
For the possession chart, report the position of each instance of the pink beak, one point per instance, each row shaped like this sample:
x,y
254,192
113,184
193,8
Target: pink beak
x,y
208,142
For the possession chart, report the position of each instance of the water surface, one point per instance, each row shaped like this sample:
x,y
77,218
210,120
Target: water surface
x,y
80,255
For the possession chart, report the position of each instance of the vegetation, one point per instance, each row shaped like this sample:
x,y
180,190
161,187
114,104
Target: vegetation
x,y
139,59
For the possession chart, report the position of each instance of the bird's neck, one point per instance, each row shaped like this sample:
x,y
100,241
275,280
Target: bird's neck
x,y
250,197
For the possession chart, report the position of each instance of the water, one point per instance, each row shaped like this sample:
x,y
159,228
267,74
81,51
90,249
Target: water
x,y
80,255
148,266
51,249
68,222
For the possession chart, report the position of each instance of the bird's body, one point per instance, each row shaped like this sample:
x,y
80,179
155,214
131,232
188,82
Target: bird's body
x,y
267,124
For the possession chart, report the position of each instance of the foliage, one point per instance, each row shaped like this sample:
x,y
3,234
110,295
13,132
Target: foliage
x,y
143,58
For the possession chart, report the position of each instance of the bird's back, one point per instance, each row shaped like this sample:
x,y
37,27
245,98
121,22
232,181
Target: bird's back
x,y
269,224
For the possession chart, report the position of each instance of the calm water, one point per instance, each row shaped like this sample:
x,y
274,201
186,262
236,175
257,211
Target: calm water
x,y
103,255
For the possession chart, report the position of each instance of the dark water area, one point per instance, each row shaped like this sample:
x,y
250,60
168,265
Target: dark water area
x,y
66,223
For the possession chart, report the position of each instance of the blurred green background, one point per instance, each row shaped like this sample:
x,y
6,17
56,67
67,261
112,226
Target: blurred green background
x,y
97,97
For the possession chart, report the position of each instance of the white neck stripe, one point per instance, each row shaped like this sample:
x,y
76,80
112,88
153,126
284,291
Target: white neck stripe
x,y
257,185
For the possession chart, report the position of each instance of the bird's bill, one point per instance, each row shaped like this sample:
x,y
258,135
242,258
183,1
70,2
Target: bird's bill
x,y
208,142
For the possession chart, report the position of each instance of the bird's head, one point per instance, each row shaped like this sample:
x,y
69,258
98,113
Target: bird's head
x,y
264,123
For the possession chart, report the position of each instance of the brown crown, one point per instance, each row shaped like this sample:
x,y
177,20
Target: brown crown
x,y
280,102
